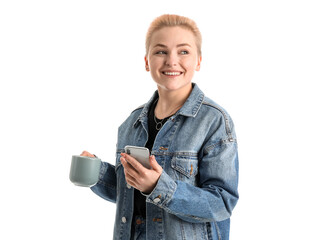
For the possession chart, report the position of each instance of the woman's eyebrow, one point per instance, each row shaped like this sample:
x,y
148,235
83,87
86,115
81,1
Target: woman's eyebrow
x,y
183,44
179,45
159,45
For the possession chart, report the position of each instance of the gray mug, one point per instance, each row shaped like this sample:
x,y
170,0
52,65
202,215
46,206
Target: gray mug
x,y
84,171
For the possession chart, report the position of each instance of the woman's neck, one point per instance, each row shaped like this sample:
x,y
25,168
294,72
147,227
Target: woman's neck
x,y
171,101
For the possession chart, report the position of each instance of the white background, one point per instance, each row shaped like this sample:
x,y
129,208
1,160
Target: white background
x,y
72,71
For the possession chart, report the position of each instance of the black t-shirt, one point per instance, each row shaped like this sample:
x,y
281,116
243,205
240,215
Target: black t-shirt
x,y
139,199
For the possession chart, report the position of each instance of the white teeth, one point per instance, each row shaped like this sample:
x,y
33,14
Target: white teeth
x,y
172,73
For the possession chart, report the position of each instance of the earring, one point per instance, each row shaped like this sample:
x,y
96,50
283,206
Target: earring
x,y
147,68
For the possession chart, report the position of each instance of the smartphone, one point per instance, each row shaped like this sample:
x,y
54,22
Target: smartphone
x,y
141,154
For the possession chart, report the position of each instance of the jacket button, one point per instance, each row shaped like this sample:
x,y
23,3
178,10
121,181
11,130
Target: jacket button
x,y
163,148
128,186
124,220
156,200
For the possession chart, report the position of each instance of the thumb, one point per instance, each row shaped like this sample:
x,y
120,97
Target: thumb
x,y
154,164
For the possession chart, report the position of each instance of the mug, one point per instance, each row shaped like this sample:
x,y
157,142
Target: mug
x,y
84,171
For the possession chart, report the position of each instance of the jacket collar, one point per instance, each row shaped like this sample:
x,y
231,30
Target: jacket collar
x,y
193,103
189,109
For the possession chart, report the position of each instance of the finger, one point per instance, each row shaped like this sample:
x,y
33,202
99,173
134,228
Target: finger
x,y
154,164
130,172
128,168
130,178
133,162
131,183
86,154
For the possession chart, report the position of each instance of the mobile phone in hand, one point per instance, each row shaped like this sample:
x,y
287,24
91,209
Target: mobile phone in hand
x,y
141,154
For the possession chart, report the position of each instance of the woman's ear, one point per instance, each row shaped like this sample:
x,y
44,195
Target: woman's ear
x,y
147,64
198,63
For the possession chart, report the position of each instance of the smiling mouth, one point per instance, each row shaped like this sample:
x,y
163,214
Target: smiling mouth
x,y
172,73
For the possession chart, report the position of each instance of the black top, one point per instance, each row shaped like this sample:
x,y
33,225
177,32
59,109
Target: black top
x,y
139,199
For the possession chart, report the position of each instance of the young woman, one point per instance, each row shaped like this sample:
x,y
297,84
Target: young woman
x,y
191,189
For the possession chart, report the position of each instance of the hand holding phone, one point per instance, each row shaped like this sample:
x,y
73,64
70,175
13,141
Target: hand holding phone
x,y
141,154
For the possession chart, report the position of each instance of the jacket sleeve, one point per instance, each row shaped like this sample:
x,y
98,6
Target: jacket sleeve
x,y
216,194
106,186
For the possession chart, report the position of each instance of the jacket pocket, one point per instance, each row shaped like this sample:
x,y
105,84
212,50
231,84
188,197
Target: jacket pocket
x,y
185,168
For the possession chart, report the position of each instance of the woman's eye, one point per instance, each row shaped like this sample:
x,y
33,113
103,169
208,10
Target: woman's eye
x,y
184,52
160,52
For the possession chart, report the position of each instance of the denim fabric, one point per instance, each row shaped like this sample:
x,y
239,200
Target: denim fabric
x,y
138,229
197,191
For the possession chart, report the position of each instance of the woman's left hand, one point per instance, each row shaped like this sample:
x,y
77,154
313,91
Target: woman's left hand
x,y
138,176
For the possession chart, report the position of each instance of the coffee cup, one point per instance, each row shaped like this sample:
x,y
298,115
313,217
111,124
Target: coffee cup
x,y
84,171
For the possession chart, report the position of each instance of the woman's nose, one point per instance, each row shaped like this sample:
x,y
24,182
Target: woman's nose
x,y
171,60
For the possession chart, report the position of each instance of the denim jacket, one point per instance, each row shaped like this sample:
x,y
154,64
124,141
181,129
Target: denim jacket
x,y
197,190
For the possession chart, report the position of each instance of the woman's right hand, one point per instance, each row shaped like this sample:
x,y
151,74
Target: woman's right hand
x,y
87,154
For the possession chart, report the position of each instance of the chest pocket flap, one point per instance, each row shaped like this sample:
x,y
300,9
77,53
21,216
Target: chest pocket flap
x,y
185,165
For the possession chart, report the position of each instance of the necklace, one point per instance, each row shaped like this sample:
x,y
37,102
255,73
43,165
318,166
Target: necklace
x,y
160,123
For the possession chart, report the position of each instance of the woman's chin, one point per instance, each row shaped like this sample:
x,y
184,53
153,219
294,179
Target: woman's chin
x,y
173,86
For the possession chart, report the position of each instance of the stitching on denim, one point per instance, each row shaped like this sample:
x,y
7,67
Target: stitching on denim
x,y
211,147
196,108
105,184
185,215
103,170
228,130
140,116
172,189
221,142
183,171
175,154
117,166
208,225
194,230
182,229
218,230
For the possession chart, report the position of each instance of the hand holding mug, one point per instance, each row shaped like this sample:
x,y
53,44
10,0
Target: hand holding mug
x,y
85,169
87,154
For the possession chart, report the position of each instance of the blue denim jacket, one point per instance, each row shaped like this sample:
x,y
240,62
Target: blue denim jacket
x,y
197,190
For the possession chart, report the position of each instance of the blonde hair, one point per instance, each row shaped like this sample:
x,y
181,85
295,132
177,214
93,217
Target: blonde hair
x,y
170,20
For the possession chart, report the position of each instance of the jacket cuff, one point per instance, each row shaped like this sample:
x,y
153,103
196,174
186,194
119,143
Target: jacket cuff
x,y
163,191
103,171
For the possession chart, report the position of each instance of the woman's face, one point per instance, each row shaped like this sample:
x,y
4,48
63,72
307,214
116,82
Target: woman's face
x,y
173,58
